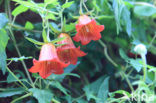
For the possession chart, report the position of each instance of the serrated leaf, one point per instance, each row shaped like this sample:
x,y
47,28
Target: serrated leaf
x,y
19,9
11,92
29,25
3,20
3,43
34,41
68,4
43,96
58,85
136,64
103,91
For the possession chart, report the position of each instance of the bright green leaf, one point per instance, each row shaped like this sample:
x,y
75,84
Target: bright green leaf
x,y
68,4
34,41
29,25
19,9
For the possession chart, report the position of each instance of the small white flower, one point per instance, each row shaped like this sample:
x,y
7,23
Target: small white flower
x,y
140,49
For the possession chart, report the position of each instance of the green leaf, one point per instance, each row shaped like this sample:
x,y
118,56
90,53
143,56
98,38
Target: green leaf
x,y
34,41
127,20
117,12
145,9
68,4
67,71
29,25
58,85
51,16
43,96
3,20
11,78
103,91
50,1
123,55
54,29
136,64
57,40
10,92
70,27
19,9
3,43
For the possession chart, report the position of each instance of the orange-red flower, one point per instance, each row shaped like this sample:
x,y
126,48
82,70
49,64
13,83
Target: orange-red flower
x,y
48,62
87,30
68,53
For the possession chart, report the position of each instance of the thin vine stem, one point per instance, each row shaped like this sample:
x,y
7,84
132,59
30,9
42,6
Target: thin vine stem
x,y
16,78
18,52
14,40
24,96
106,53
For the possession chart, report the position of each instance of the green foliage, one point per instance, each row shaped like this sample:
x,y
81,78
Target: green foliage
x,y
3,43
19,9
11,91
29,25
111,72
43,96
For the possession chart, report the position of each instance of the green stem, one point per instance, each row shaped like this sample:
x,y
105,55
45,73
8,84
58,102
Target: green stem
x,y
152,40
81,10
18,52
106,53
144,66
128,81
24,96
55,101
22,28
16,78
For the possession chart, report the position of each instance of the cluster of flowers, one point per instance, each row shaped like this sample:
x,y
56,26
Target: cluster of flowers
x,y
54,60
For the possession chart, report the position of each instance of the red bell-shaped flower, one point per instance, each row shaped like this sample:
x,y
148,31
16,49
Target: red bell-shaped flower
x,y
87,30
48,62
68,53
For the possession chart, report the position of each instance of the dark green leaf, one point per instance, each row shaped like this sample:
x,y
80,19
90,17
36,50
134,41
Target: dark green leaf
x,y
103,91
11,92
43,96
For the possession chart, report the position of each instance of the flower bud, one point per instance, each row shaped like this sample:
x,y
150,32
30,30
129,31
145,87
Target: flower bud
x,y
140,49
